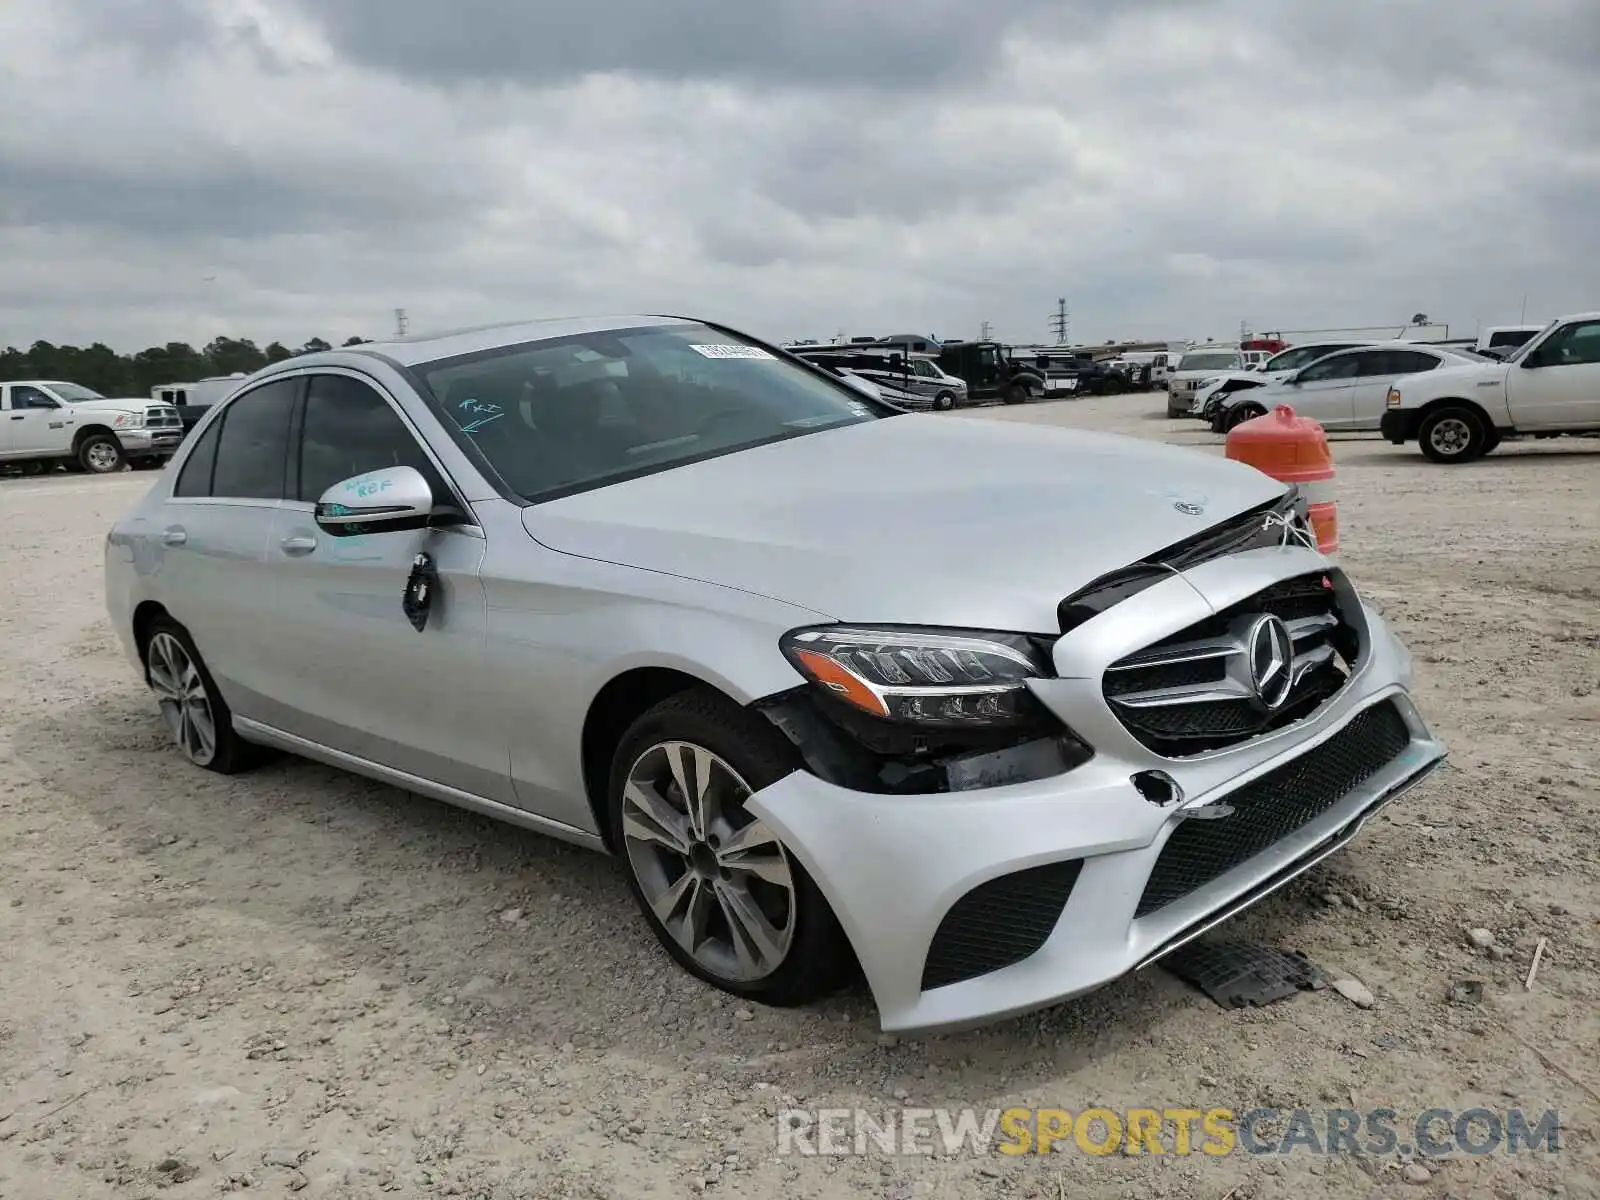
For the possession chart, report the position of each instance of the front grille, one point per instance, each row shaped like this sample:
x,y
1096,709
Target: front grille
x,y
999,923
1198,690
1272,807
162,417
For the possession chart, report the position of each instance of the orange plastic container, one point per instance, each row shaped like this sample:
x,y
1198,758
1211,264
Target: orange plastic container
x,y
1295,450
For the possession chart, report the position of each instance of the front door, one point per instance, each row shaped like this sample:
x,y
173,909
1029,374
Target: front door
x,y
356,676
1563,390
1323,391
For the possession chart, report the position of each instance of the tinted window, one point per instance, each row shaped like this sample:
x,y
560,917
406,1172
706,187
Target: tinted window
x,y
195,479
1345,366
253,447
1573,345
350,429
1408,362
23,396
570,413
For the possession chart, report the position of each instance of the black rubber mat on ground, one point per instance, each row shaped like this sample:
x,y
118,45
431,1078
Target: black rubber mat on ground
x,y
1242,974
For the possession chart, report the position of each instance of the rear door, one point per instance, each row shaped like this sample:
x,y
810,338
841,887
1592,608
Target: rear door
x,y
1562,389
1378,370
210,539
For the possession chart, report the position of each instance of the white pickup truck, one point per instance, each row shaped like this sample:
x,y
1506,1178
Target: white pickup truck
x,y
1547,387
44,421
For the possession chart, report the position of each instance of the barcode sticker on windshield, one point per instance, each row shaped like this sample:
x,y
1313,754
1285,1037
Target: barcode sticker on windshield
x,y
726,351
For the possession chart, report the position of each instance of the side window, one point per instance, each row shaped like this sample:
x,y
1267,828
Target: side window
x,y
1574,345
349,429
1410,362
253,447
195,478
23,396
1343,367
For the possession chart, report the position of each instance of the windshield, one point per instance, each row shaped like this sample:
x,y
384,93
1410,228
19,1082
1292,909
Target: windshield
x,y
1212,360
1521,351
72,393
564,415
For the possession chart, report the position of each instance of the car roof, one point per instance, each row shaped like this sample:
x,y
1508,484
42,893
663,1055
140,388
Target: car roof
x,y
429,347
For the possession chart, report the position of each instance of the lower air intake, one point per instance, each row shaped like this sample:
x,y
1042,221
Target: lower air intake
x,y
999,923
1274,806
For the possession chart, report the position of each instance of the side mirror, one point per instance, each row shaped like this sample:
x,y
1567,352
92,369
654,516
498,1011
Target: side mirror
x,y
1534,358
386,501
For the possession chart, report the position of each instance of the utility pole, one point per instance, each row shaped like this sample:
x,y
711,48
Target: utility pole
x,y
399,322
1061,322
985,331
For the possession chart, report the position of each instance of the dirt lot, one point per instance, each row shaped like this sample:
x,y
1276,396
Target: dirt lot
x,y
299,982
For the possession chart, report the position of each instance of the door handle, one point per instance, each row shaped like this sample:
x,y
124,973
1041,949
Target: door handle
x,y
173,537
302,543
17,416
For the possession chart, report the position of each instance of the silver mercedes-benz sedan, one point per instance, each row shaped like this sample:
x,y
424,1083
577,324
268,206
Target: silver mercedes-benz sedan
x,y
999,712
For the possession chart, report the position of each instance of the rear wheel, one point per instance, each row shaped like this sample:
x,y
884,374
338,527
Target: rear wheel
x,y
100,454
719,890
1454,435
195,713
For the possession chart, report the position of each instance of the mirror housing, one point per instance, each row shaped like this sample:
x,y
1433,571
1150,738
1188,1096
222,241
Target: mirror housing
x,y
386,501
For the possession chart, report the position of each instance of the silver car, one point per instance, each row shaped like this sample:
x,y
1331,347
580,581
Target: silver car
x,y
997,712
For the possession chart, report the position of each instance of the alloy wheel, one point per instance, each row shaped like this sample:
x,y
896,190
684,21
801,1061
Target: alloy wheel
x,y
713,874
181,693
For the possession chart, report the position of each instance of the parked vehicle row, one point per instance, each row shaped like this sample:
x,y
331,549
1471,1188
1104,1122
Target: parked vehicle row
x,y
1343,389
45,422
660,589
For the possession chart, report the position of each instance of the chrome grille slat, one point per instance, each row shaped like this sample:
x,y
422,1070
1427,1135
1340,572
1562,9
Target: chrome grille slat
x,y
1195,691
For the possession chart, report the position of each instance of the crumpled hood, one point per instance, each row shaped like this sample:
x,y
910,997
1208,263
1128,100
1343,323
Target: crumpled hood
x,y
912,520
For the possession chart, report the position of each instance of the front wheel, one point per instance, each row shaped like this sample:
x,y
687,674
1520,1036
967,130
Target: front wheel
x,y
1453,435
1240,415
100,454
944,401
721,893
1016,393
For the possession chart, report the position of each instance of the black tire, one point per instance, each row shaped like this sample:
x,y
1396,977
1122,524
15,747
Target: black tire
x,y
1177,409
1454,434
231,753
101,454
1238,416
944,401
149,464
1016,393
818,956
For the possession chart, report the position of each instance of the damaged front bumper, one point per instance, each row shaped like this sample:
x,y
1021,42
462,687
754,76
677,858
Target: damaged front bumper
x,y
1062,884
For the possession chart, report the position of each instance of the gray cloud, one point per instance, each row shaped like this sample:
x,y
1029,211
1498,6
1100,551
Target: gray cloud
x,y
274,168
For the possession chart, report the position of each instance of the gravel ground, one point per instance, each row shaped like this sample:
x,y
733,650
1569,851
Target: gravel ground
x,y
298,982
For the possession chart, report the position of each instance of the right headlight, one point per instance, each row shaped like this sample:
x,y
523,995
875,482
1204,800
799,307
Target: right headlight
x,y
940,678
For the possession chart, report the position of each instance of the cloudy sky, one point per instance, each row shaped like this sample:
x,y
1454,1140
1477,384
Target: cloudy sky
x,y
175,169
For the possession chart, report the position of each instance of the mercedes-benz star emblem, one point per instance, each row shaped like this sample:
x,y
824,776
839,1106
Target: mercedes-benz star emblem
x,y
1271,661
1187,509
